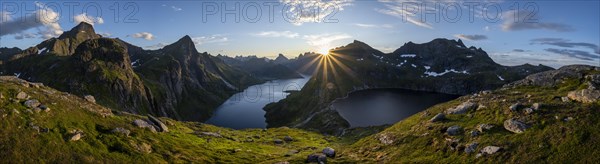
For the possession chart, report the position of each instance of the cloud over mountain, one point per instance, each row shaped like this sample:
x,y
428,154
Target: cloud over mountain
x,y
471,37
44,19
515,20
143,35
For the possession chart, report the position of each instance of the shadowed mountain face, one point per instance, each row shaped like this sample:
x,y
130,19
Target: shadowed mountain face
x,y
175,81
263,68
442,65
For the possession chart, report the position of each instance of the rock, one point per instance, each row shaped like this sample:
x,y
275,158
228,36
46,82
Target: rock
x,y
278,141
1,96
44,108
22,96
486,92
515,107
75,137
143,124
211,134
329,152
584,95
288,139
318,158
143,147
453,130
462,108
474,133
536,106
484,127
490,150
385,138
161,127
121,131
515,126
568,119
291,152
470,148
565,99
33,103
528,110
90,98
438,117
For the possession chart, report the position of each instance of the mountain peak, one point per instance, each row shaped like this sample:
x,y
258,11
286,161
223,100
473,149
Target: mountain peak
x,y
83,30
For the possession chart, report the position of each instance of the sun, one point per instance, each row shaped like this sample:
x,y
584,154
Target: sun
x,y
324,51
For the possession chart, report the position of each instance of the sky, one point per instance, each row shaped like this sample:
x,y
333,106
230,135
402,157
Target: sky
x,y
553,33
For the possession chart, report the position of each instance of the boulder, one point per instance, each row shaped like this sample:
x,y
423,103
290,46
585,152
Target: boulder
x,y
278,141
211,134
472,147
385,138
317,158
90,98
22,96
288,139
515,107
515,126
33,103
329,152
161,127
490,150
143,124
484,127
453,130
44,108
584,95
528,110
120,130
565,99
462,108
75,137
438,117
474,133
536,106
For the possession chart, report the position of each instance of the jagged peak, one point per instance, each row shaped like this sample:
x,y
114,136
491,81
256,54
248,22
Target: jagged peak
x,y
82,28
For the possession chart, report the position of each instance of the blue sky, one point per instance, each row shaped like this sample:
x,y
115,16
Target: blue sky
x,y
553,33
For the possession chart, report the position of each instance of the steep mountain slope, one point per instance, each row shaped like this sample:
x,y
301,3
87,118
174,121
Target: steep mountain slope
x,y
444,66
43,125
263,68
189,84
281,59
176,81
529,121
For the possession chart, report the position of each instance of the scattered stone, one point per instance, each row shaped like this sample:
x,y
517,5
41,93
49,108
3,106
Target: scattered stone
x,y
33,103
1,96
585,95
143,147
474,133
453,130
472,147
515,126
75,137
329,152
536,106
515,107
438,117
278,141
318,158
22,96
568,119
161,127
90,98
528,110
121,131
488,150
211,134
486,92
484,127
44,108
565,99
143,124
462,108
385,139
288,139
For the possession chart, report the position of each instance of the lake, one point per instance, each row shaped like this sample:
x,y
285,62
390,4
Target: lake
x,y
245,109
385,106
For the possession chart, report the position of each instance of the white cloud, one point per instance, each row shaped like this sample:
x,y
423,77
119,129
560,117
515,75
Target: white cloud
x,y
143,35
515,20
105,34
303,11
324,39
83,17
210,39
374,25
276,34
471,37
176,8
44,19
20,36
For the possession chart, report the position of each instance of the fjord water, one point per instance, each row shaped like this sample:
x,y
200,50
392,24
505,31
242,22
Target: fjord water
x,y
245,109
385,106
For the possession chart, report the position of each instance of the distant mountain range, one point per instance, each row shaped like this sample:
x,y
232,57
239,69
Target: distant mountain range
x,y
262,68
441,65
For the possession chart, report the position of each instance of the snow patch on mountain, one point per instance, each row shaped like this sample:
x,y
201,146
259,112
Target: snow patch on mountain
x,y
435,74
408,55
